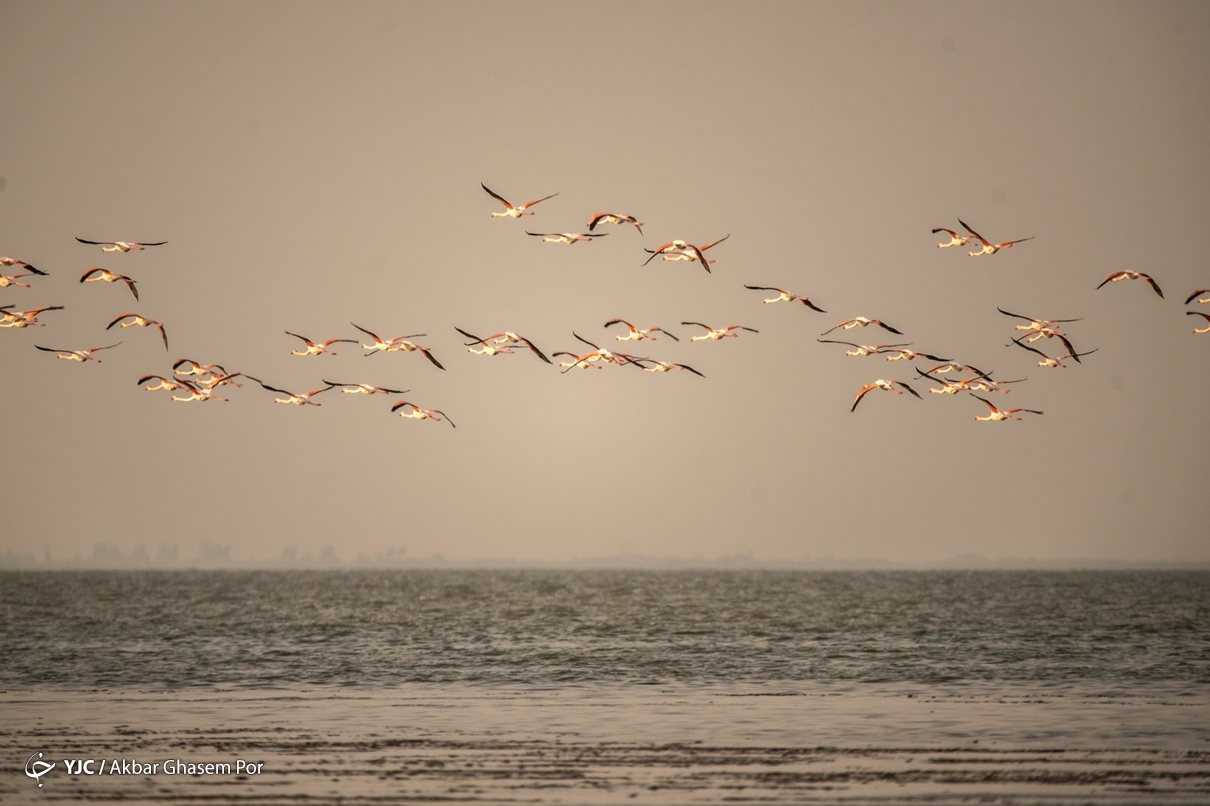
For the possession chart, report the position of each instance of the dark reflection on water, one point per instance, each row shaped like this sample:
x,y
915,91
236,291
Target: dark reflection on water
x,y
255,628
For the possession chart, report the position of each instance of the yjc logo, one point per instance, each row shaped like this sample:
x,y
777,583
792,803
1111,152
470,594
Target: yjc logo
x,y
36,769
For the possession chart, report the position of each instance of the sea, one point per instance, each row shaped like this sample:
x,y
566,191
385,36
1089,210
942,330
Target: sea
x,y
606,686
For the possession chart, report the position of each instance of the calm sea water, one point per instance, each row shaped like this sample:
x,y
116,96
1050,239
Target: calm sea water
x,y
368,628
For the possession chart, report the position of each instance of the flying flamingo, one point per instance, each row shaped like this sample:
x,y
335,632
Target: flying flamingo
x,y
1205,316
366,389
955,238
1134,275
194,368
1000,414
399,344
418,413
95,274
990,248
77,355
489,348
599,354
613,218
164,383
567,237
140,321
682,250
1047,361
861,321
714,334
14,279
509,337
1198,293
122,246
638,335
886,386
662,366
989,385
894,352
785,296
586,361
11,261
379,344
862,349
511,211
20,319
1044,329
214,381
320,348
291,398
947,386
951,366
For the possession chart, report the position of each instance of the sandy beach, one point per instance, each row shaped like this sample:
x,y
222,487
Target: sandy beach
x,y
625,744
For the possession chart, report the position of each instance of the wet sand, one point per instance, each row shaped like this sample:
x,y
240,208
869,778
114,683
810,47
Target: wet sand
x,y
600,744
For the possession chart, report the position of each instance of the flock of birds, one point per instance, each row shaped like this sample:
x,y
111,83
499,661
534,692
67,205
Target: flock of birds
x,y
192,381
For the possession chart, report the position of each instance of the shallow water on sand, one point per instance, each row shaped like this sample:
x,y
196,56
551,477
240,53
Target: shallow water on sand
x,y
611,687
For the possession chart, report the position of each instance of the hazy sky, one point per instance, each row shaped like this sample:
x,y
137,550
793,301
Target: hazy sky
x,y
315,164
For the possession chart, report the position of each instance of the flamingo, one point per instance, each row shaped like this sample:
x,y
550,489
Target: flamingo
x,y
886,386
511,211
861,321
714,334
489,348
1000,414
955,238
399,344
1044,329
682,250
894,352
14,279
20,319
613,218
862,349
1198,293
291,398
320,348
989,385
1134,275
366,389
599,354
140,321
785,296
947,386
567,237
12,261
662,366
198,394
215,381
638,335
989,248
195,368
1036,324
951,366
77,355
1205,316
164,383
1047,361
586,361
418,413
491,344
379,344
509,337
122,246
95,274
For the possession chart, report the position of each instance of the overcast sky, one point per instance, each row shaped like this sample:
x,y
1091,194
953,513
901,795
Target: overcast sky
x,y
315,164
